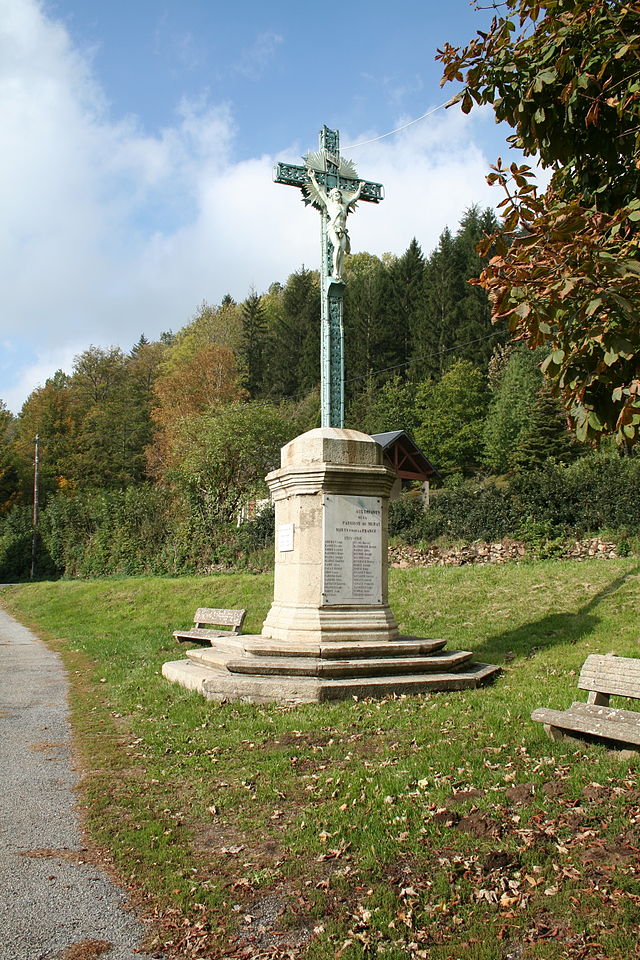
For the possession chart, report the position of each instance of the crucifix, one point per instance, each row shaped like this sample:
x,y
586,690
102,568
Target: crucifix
x,y
330,183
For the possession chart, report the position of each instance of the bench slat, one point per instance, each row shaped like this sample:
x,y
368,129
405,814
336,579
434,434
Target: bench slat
x,y
203,633
611,671
580,722
604,675
610,685
619,676
609,713
210,615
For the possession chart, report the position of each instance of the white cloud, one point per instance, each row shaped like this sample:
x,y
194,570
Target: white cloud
x,y
35,373
108,231
255,59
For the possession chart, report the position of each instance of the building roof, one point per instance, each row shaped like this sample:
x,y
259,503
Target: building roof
x,y
384,439
404,457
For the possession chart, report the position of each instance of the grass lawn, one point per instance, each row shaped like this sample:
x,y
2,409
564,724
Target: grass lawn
x,y
429,827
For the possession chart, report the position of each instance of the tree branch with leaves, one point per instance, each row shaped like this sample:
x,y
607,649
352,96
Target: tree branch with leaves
x,y
565,270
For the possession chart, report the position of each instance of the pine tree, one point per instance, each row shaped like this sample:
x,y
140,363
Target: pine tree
x,y
515,394
545,436
436,334
294,337
475,335
137,347
369,337
253,345
456,320
406,309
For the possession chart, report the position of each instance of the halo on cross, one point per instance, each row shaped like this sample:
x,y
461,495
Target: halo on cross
x,y
317,160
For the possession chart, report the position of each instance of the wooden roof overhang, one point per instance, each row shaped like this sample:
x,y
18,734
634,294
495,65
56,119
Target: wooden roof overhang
x,y
403,456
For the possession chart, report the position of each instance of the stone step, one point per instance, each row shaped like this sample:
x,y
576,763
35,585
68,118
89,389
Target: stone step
x,y
220,685
316,667
336,650
188,674
216,658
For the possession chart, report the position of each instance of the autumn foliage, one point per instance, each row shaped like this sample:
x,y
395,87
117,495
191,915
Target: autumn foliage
x,y
565,272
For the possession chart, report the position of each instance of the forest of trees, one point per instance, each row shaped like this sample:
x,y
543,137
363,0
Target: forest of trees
x,y
146,457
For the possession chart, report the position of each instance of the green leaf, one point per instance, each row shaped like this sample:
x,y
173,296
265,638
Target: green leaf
x,y
630,267
593,305
546,363
581,430
594,420
548,76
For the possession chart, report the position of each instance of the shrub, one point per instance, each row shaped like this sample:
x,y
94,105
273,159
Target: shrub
x,y
16,539
472,511
465,511
406,516
598,491
97,532
15,544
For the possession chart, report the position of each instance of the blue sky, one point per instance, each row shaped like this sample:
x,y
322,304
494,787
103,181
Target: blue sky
x,y
137,141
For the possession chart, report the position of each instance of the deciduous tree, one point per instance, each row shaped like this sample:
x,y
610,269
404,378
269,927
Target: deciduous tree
x,y
9,482
450,418
564,74
198,387
221,457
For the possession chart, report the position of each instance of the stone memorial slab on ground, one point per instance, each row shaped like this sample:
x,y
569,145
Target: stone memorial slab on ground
x,y
330,633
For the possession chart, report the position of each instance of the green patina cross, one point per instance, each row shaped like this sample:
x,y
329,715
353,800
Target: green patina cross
x,y
330,183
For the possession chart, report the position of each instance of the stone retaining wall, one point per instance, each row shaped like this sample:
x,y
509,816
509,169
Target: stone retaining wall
x,y
403,556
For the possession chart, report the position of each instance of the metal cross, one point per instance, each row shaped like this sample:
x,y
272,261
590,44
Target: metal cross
x,y
330,183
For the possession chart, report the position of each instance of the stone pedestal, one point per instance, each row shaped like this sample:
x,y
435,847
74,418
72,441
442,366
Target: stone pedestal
x,y
329,634
331,499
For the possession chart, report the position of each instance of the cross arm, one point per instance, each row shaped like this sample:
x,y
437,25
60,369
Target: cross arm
x,y
296,176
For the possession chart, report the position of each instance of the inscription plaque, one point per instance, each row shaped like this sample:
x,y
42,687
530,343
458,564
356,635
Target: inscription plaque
x,y
352,554
285,537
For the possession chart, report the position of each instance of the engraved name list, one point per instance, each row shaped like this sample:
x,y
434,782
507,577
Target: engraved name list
x,y
352,556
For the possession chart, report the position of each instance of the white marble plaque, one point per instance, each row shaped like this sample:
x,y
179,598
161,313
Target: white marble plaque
x,y
352,555
285,537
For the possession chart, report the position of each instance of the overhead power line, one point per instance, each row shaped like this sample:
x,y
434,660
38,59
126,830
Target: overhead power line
x,y
441,106
373,373
428,356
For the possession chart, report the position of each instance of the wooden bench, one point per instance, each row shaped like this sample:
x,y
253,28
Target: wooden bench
x,y
207,618
603,677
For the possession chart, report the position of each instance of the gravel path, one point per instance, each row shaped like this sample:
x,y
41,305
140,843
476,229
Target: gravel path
x,y
54,901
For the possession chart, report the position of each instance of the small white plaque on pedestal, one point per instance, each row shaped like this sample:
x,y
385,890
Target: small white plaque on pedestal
x,y
352,550
285,537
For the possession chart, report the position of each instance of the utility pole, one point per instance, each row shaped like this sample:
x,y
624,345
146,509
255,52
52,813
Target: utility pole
x,y
36,512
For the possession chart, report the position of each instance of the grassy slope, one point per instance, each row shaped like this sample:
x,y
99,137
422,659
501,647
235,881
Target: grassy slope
x,y
429,827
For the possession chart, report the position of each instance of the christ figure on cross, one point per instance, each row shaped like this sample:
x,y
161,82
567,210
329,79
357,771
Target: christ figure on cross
x,y
337,204
331,184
